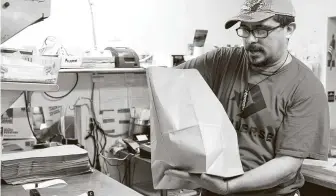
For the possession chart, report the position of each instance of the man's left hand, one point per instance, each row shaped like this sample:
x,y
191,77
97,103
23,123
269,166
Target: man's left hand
x,y
210,183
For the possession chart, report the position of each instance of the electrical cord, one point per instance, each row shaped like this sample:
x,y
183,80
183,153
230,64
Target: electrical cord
x,y
65,95
27,114
96,128
98,136
92,136
134,163
96,131
98,167
125,169
117,165
119,173
116,159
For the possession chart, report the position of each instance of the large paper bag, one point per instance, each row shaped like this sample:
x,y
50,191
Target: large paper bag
x,y
190,129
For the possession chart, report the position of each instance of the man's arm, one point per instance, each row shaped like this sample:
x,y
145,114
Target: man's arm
x,y
275,172
269,175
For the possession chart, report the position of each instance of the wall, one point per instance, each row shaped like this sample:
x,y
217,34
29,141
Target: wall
x,y
331,72
159,27
164,27
312,22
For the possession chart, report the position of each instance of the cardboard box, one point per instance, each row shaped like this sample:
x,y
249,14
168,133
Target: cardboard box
x,y
18,145
14,123
52,114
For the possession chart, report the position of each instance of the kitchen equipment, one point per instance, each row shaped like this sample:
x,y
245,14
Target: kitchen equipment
x,y
139,130
124,57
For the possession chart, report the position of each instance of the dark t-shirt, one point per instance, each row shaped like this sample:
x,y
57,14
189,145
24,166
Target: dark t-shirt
x,y
286,114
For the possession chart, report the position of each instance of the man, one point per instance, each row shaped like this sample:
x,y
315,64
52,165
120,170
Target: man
x,y
277,105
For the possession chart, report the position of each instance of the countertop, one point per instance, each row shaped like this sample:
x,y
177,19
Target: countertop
x,y
77,185
321,173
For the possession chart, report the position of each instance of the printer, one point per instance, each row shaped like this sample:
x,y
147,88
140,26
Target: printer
x,y
124,57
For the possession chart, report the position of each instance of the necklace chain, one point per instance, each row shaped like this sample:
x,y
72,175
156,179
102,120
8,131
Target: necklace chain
x,y
246,91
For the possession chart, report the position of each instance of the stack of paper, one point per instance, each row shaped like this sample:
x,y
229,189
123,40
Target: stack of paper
x,y
98,62
44,164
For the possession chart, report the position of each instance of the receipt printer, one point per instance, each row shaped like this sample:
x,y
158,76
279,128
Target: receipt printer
x,y
124,57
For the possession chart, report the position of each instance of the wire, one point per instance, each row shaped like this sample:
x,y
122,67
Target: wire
x,y
27,114
61,97
117,165
134,163
116,159
105,167
119,173
94,150
96,128
125,169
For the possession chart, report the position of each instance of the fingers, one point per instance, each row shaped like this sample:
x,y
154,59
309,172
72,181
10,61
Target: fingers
x,y
177,173
194,178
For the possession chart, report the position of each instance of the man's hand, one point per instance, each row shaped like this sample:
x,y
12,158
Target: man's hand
x,y
211,183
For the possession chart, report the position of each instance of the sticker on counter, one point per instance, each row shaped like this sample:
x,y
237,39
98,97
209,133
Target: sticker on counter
x,y
331,96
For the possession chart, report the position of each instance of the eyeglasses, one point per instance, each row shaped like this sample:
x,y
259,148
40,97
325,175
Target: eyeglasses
x,y
257,33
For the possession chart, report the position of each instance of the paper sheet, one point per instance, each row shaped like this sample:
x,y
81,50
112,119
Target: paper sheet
x,y
46,152
45,184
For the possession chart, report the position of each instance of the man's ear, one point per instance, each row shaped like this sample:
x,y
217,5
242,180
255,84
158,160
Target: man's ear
x,y
289,30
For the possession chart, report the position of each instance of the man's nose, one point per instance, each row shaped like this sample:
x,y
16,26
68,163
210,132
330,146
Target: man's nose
x,y
251,39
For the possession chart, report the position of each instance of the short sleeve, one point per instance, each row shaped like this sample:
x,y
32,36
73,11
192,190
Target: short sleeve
x,y
209,63
305,130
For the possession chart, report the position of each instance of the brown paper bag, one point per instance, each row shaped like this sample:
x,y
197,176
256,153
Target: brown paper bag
x,y
190,129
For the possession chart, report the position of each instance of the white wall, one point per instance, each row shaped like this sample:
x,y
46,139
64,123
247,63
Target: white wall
x,y
155,26
331,73
162,27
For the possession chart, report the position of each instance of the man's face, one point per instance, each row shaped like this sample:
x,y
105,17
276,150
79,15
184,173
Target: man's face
x,y
265,51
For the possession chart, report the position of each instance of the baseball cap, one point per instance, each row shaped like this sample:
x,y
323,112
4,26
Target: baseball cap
x,y
259,10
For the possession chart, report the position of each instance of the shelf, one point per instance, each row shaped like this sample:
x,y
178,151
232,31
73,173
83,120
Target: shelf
x,y
103,70
23,86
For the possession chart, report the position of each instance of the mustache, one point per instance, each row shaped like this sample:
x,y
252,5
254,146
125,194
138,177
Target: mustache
x,y
254,48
